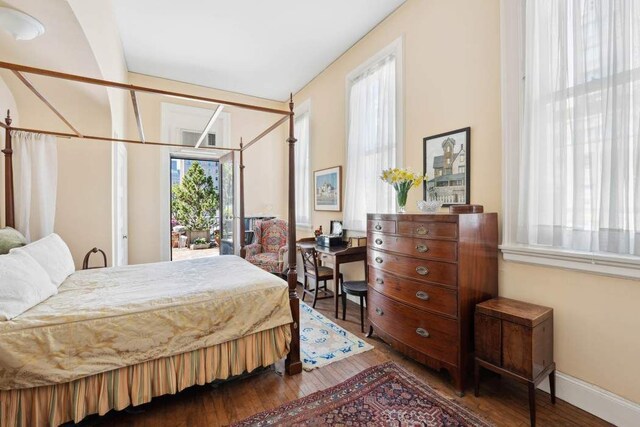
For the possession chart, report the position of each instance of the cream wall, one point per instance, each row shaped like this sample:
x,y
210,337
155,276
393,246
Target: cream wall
x,y
452,80
83,208
264,172
83,212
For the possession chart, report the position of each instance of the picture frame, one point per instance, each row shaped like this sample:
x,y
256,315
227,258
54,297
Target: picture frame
x,y
447,164
335,228
327,184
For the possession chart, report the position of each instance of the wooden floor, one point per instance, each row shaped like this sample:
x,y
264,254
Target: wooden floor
x,y
501,401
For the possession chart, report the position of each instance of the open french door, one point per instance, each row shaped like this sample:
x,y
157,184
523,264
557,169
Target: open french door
x,y
229,226
120,219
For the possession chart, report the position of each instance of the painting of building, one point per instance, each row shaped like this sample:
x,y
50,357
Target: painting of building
x,y
446,165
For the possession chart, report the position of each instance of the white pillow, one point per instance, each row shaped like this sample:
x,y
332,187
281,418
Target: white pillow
x,y
53,254
23,284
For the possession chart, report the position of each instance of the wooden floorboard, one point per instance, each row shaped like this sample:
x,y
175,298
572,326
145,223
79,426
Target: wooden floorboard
x,y
501,401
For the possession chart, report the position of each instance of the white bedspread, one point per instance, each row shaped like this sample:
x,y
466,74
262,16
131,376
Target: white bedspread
x,y
110,318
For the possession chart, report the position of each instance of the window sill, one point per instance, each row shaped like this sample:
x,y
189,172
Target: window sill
x,y
603,264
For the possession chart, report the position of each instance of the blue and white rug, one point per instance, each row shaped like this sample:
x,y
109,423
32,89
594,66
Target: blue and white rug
x,y
323,342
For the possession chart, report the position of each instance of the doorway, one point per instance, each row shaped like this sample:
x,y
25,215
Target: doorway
x,y
194,207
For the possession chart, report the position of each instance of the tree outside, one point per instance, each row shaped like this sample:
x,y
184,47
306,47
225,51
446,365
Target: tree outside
x,y
194,201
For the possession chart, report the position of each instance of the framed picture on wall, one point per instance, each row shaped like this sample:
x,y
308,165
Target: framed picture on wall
x,y
447,162
328,189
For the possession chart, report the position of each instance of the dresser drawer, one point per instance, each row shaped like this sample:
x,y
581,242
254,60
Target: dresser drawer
x,y
382,226
443,230
417,294
418,269
415,247
428,333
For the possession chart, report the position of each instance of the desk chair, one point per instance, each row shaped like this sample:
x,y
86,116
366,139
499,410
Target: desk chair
x,y
317,273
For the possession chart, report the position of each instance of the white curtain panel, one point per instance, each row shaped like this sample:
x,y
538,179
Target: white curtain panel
x,y
371,144
36,183
303,180
580,156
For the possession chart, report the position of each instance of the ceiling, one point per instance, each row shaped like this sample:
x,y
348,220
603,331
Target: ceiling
x,y
256,47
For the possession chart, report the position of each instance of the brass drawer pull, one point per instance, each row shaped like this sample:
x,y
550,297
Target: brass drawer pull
x,y
379,260
422,332
378,241
423,271
422,248
379,281
379,311
422,295
378,227
422,230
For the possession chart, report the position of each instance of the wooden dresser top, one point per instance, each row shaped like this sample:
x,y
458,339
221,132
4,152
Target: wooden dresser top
x,y
515,311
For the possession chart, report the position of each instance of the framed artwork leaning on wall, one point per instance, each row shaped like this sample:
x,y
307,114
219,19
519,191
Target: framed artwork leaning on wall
x,y
447,164
327,184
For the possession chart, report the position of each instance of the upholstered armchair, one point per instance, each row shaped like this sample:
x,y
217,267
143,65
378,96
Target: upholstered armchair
x,y
269,245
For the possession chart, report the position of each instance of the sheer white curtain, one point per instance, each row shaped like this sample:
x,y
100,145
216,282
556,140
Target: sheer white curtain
x,y
580,155
303,184
371,144
36,183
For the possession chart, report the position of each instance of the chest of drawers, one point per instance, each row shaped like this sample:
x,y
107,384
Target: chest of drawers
x,y
426,274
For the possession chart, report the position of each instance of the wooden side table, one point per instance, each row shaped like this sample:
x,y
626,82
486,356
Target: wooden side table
x,y
515,339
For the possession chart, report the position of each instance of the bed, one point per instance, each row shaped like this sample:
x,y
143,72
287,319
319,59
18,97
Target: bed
x,y
117,337
203,319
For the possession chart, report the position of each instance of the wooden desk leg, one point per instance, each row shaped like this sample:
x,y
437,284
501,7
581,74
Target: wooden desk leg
x,y
336,284
532,403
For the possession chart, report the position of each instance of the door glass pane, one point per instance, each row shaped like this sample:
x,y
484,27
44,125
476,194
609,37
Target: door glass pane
x,y
227,215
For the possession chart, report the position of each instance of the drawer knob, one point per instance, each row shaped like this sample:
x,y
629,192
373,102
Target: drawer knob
x,y
378,241
422,230
379,311
379,281
422,332
422,248
378,227
422,295
423,271
379,260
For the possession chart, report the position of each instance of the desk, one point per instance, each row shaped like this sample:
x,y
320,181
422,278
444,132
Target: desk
x,y
339,255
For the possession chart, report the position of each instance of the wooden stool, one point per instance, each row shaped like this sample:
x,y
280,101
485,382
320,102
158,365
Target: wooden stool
x,y
515,339
358,289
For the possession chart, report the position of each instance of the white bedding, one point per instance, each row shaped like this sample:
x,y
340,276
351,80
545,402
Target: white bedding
x,y
110,318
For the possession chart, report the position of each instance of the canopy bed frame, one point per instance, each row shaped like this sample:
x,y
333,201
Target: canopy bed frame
x,y
293,364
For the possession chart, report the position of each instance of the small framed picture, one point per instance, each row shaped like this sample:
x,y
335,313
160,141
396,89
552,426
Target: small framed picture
x,y
336,228
328,189
447,162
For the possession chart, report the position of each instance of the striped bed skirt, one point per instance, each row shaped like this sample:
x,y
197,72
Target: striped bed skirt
x,y
138,384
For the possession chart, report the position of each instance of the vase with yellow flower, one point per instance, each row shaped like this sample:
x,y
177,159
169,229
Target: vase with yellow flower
x,y
402,181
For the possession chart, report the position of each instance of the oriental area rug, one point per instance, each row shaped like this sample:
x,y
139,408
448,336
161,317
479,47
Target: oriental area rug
x,y
323,342
383,395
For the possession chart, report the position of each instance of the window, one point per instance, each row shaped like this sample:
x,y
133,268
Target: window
x,y
303,172
373,135
190,138
572,180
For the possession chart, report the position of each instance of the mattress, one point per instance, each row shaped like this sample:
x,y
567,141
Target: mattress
x,y
110,318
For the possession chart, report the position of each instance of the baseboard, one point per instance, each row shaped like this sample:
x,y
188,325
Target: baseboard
x,y
601,403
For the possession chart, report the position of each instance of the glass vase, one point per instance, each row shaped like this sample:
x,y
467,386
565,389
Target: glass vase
x,y
401,200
